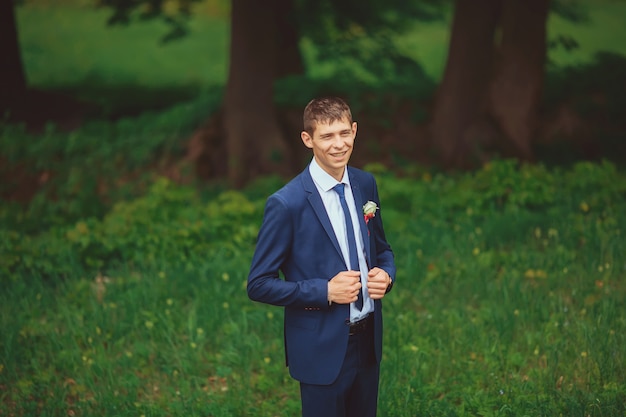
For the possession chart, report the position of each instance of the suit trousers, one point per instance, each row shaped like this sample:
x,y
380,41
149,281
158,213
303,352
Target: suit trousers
x,y
355,391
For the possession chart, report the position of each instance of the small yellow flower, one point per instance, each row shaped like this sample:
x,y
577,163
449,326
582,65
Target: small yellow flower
x,y
98,330
161,274
149,324
225,276
583,354
82,228
476,251
530,273
516,312
537,232
169,301
267,359
270,315
225,305
200,331
193,345
584,206
128,354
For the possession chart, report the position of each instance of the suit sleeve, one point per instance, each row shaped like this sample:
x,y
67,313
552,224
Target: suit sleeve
x,y
274,245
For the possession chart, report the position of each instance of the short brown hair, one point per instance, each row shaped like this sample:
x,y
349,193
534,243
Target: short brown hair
x,y
325,110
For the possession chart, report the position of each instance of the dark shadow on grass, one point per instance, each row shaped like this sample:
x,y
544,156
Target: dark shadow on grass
x,y
584,112
123,100
67,108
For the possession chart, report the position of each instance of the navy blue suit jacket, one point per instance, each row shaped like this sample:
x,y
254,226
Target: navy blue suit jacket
x,y
297,238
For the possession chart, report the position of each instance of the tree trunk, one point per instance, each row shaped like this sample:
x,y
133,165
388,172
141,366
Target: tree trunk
x,y
255,144
12,78
461,96
288,58
516,89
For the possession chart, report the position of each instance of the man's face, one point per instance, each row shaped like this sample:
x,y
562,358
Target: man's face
x,y
332,145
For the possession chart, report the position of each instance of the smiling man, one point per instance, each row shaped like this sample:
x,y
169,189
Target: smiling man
x,y
324,231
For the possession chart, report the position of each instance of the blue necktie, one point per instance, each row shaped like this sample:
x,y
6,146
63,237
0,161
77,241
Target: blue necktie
x,y
352,251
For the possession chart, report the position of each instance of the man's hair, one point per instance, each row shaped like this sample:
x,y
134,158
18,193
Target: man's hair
x,y
325,110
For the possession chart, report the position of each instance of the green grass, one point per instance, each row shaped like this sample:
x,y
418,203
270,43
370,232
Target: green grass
x,y
120,69
603,31
509,302
68,45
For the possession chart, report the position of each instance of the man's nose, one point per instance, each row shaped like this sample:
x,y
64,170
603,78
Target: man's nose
x,y
338,141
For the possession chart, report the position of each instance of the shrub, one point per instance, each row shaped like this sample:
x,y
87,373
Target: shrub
x,y
170,225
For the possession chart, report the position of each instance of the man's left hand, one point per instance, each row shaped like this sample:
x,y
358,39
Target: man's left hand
x,y
377,282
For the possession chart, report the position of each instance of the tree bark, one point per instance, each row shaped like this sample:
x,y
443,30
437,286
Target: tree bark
x,y
517,86
255,143
12,77
461,96
288,58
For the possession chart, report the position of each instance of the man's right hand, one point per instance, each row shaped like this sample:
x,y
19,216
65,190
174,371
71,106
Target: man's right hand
x,y
344,287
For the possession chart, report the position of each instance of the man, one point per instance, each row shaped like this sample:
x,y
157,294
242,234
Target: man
x,y
324,231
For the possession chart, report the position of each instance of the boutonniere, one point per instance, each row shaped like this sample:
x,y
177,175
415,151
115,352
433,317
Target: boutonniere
x,y
369,211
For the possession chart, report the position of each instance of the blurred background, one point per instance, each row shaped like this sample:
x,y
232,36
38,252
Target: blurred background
x,y
443,84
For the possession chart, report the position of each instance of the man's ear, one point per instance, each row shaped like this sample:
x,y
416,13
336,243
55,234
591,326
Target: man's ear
x,y
307,139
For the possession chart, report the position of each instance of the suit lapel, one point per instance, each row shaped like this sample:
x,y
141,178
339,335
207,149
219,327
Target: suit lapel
x,y
359,202
318,208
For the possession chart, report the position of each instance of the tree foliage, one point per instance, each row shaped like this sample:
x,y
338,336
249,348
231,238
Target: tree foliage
x,y
175,13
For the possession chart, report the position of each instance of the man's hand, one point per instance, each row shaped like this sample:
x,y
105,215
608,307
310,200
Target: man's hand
x,y
377,283
344,287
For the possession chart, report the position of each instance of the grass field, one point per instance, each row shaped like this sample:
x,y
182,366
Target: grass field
x,y
509,302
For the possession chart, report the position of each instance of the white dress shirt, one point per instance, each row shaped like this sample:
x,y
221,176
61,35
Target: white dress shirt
x,y
325,183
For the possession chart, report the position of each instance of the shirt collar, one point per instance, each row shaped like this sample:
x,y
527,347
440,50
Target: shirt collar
x,y
323,179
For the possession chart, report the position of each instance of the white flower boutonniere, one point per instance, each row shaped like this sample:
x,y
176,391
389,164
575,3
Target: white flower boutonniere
x,y
369,211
